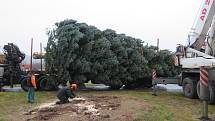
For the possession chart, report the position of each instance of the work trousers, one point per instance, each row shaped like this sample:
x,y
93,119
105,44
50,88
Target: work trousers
x,y
31,94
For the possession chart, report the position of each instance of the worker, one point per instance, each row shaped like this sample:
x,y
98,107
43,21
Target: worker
x,y
31,83
65,93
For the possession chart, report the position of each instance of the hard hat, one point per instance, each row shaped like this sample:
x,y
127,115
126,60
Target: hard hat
x,y
73,87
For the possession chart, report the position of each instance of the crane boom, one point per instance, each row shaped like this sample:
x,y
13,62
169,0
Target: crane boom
x,y
202,24
193,56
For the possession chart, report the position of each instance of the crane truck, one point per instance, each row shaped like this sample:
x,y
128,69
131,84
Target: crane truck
x,y
11,72
199,52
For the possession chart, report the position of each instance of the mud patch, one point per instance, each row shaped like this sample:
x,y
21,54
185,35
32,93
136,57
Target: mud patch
x,y
86,108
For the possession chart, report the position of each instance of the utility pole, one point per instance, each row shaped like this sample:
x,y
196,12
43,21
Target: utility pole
x,y
157,44
31,54
41,60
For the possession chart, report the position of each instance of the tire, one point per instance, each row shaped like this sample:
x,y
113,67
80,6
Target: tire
x,y
189,88
45,85
43,82
212,92
198,89
24,84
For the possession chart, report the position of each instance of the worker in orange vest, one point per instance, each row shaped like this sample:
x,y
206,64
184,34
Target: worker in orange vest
x,y
31,87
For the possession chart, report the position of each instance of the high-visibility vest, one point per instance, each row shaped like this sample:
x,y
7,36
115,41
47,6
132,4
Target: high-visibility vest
x,y
33,80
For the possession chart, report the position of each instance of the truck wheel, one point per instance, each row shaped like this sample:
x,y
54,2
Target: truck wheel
x,y
24,84
43,82
198,89
47,85
189,88
212,92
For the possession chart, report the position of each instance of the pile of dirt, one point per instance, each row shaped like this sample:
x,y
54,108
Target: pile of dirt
x,y
86,108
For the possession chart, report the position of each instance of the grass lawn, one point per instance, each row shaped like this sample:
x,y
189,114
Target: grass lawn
x,y
164,107
89,83
13,102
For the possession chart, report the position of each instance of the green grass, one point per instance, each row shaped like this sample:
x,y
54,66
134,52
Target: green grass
x,y
164,107
89,83
171,107
12,102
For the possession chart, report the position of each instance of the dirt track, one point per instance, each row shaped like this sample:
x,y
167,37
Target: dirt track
x,y
88,108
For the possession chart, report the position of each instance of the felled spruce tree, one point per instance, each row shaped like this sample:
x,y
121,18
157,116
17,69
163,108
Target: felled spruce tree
x,y
78,52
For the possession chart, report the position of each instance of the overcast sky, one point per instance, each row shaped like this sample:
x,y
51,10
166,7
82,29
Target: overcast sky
x,y
168,20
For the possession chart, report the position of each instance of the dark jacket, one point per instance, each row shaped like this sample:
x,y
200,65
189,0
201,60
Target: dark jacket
x,y
65,93
29,84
